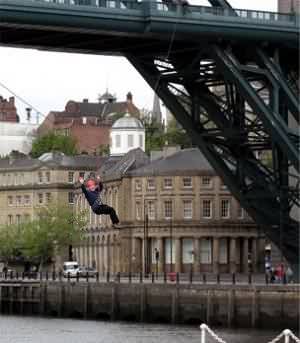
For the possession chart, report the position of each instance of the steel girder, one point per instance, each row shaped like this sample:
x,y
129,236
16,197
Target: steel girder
x,y
235,109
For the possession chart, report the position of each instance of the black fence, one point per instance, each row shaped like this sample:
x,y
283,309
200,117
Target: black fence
x,y
170,277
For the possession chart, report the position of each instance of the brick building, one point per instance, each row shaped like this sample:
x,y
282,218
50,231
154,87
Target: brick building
x,y
89,123
287,6
8,110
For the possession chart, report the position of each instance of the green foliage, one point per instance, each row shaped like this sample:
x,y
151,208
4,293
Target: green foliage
x,y
52,142
175,135
9,241
157,138
53,230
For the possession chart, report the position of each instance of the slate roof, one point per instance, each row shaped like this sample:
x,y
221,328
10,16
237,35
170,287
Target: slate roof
x,y
92,109
120,166
184,162
52,160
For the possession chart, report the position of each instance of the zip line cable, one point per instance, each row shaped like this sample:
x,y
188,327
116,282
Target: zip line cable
x,y
22,99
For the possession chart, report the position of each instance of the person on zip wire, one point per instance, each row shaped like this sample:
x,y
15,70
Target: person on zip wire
x,y
92,189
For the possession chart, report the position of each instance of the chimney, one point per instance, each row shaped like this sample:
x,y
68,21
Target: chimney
x,y
85,100
12,100
129,97
28,112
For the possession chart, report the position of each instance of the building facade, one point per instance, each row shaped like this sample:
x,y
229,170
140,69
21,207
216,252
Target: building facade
x,y
8,110
288,6
176,215
87,122
27,184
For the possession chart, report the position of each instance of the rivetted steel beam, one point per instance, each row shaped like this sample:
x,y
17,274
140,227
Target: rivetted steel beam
x,y
220,3
272,121
274,70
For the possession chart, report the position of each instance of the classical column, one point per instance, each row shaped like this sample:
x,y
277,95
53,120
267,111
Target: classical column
x,y
161,260
98,256
254,255
232,255
245,255
178,259
117,249
216,254
102,267
196,255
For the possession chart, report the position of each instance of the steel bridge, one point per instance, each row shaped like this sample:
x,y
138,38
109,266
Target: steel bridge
x,y
229,76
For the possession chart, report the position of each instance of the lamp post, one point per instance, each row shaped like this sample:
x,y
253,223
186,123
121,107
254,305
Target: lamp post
x,y
156,251
146,252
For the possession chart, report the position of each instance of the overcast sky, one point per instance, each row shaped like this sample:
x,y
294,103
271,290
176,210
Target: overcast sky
x,y
48,80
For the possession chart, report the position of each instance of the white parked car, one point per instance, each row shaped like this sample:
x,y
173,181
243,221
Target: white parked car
x,y
70,269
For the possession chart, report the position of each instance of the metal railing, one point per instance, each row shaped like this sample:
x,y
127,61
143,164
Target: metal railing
x,y
286,336
161,6
152,277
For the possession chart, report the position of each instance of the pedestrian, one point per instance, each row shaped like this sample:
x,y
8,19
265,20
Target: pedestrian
x,y
289,275
92,190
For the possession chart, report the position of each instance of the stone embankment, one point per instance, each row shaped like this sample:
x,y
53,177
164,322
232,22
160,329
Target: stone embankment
x,y
226,305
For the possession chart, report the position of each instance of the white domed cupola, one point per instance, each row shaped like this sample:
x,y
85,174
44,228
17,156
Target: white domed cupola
x,y
127,133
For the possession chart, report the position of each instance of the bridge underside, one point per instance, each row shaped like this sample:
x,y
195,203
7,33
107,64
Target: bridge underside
x,y
240,106
237,99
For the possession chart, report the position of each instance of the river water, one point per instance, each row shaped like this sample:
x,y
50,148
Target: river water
x,y
15,329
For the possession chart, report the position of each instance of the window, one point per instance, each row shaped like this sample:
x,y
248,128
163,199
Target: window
x,y
187,250
151,210
150,184
19,200
47,176
40,198
223,251
48,197
130,141
71,198
207,209
138,210
187,209
206,181
205,251
10,200
225,208
40,177
118,141
187,182
10,219
138,185
71,177
168,183
18,219
168,209
26,199
141,141
81,174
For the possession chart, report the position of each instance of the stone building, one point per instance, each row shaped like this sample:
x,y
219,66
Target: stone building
x,y
287,6
26,184
175,214
88,122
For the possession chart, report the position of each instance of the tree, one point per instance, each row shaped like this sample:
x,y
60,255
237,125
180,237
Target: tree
x,y
53,142
54,229
155,139
9,242
176,135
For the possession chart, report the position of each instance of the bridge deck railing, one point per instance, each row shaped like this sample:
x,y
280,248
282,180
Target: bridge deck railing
x,y
169,9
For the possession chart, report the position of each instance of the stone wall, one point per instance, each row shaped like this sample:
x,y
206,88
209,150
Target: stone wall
x,y
231,306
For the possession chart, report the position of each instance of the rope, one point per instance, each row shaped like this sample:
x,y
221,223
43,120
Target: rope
x,y
284,334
